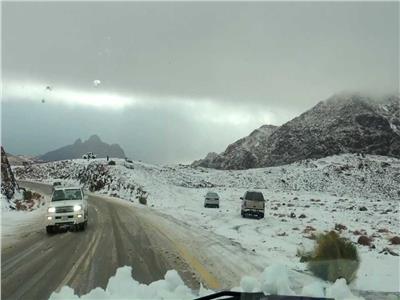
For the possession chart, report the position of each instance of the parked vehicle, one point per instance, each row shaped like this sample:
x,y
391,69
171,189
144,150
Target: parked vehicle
x,y
56,184
68,209
89,155
253,204
211,200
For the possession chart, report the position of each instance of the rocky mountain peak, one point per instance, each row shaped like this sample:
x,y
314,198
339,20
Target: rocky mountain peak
x,y
76,150
344,123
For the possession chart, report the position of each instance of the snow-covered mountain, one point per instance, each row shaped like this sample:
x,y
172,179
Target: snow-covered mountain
x,y
76,150
345,123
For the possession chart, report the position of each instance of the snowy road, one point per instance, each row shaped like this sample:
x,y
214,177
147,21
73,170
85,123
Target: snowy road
x,y
38,264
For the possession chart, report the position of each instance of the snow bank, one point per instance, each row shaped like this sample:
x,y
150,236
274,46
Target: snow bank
x,y
123,286
274,280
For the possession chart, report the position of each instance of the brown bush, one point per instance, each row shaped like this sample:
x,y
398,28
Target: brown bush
x,y
364,240
334,257
383,230
395,240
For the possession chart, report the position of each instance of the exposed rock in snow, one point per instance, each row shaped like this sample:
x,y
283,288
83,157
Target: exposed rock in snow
x,y
11,196
341,124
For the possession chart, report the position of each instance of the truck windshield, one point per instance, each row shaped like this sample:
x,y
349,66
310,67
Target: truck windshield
x,y
254,196
70,194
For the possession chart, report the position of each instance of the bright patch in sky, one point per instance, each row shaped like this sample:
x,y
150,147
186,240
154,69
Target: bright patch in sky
x,y
201,110
28,91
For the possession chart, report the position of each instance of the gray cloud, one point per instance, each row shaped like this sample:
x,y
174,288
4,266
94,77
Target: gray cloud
x,y
255,62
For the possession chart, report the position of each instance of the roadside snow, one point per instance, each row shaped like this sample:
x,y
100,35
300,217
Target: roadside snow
x,y
17,223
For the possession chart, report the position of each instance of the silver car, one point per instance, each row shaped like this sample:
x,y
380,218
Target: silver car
x,y
211,200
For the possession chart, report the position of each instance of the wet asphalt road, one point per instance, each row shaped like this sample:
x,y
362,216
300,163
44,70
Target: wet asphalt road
x,y
39,264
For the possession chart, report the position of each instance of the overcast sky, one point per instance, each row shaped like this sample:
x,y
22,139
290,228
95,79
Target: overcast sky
x,y
178,80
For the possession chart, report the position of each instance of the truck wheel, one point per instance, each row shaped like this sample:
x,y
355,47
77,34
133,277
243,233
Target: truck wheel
x,y
81,226
49,229
217,205
242,213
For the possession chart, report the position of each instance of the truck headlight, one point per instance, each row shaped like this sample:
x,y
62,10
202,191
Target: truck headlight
x,y
51,210
77,207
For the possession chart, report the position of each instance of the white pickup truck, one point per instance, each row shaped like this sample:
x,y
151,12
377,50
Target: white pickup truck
x,y
68,208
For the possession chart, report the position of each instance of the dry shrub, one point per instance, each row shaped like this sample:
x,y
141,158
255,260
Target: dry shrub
x,y
334,257
395,240
364,240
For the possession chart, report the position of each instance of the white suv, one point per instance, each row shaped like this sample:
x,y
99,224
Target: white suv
x,y
68,208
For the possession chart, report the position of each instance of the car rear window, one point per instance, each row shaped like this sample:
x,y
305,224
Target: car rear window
x,y
256,196
214,195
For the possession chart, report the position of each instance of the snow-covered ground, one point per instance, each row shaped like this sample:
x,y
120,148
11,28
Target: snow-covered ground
x,y
362,194
17,223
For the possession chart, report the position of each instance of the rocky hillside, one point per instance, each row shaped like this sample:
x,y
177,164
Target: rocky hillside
x,y
8,183
20,160
341,124
242,154
76,150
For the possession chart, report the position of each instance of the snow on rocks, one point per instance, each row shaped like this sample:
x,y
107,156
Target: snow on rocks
x,y
275,280
340,291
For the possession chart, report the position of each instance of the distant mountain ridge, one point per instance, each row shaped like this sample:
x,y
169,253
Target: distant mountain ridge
x,y
344,123
78,148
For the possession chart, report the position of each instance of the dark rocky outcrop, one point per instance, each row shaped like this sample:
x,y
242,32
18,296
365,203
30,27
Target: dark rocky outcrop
x,y
93,144
8,183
